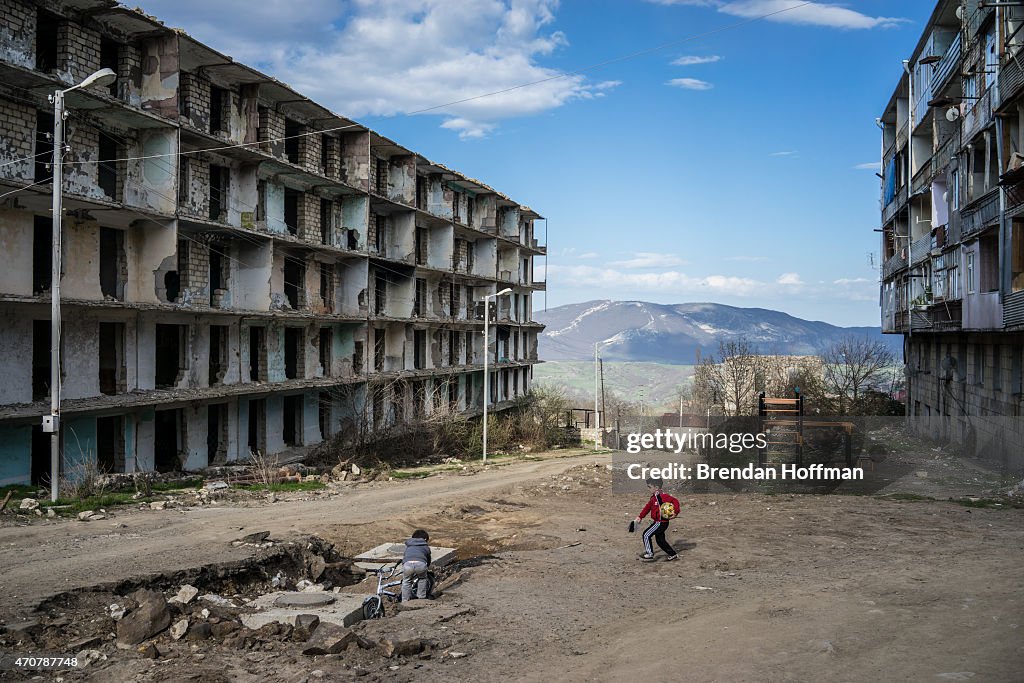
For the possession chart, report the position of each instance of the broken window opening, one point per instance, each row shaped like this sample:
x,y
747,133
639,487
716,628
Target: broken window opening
x,y
110,444
42,254
294,282
257,426
172,285
217,434
170,355
421,246
419,341
292,129
380,292
453,347
453,395
47,26
380,236
111,357
109,57
291,210
113,263
327,286
378,408
218,353
357,358
107,175
421,192
469,211
219,182
379,348
40,472
167,440
419,308
219,274
44,147
219,99
324,416
183,181
261,201
469,391
469,347
398,403
292,421
353,240
257,354
324,347
326,221
293,348
41,365
455,207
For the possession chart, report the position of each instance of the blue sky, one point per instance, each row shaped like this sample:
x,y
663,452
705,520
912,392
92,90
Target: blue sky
x,y
726,168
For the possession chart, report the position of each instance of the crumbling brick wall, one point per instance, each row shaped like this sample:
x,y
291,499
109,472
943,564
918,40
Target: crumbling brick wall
x,y
271,130
17,135
310,149
129,74
194,271
78,51
331,151
17,32
81,172
355,159
160,76
195,97
309,217
195,197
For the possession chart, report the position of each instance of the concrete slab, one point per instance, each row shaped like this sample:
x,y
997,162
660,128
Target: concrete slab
x,y
343,609
389,553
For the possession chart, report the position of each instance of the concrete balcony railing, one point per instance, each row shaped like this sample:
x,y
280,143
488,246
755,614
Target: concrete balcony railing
x,y
982,311
920,249
898,202
893,265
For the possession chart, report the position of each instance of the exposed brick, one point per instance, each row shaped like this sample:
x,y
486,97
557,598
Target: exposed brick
x,y
78,51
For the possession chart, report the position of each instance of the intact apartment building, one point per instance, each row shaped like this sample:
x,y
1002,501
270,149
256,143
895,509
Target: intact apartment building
x,y
243,269
953,226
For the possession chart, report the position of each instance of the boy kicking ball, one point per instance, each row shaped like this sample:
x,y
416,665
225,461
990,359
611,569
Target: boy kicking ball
x,y
662,507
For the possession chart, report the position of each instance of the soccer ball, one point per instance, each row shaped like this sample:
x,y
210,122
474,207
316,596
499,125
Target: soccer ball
x,y
668,510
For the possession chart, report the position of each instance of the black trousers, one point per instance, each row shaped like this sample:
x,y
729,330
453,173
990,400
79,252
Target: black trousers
x,y
657,530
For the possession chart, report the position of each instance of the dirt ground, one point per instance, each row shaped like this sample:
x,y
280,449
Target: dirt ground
x,y
548,585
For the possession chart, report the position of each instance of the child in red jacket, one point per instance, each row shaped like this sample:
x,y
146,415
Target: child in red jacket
x,y
658,526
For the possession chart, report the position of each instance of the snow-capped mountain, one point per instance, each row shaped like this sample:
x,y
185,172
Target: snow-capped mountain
x,y
674,333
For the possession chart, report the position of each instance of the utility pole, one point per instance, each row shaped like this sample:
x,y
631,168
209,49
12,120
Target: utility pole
x,y
487,353
52,422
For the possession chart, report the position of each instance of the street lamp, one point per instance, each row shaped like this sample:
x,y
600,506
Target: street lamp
x,y
51,422
597,393
487,390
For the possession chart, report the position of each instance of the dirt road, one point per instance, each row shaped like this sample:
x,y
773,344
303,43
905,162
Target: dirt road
x,y
769,588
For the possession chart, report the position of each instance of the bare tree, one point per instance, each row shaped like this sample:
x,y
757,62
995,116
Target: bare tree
x,y
853,365
732,380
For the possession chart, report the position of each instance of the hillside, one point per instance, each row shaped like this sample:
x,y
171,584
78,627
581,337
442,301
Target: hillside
x,y
676,333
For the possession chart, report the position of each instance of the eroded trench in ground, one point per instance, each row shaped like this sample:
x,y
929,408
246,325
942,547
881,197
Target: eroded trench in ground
x,y
209,607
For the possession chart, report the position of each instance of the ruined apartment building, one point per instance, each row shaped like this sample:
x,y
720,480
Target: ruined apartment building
x,y
953,227
243,270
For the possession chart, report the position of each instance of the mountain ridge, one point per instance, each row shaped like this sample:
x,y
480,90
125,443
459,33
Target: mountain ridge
x,y
681,333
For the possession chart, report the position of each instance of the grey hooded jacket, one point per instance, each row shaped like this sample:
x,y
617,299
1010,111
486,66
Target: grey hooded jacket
x,y
416,550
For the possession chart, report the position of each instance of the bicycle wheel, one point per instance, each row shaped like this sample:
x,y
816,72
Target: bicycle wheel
x,y
373,607
431,580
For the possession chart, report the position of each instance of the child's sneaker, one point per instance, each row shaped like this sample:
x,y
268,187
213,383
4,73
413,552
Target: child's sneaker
x,y
647,557
671,558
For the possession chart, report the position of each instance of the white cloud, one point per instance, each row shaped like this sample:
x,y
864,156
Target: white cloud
x,y
612,279
790,280
746,258
589,254
857,289
644,259
790,153
794,12
690,84
691,60
869,166
387,57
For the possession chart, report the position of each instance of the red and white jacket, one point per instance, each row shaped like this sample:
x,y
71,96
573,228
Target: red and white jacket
x,y
653,507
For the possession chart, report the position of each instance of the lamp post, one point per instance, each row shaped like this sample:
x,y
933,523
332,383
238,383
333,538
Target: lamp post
x,y
597,393
51,422
487,389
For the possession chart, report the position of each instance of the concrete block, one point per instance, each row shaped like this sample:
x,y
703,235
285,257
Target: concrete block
x,y
389,553
344,610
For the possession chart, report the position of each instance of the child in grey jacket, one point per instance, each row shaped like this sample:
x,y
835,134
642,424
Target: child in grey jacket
x,y
415,561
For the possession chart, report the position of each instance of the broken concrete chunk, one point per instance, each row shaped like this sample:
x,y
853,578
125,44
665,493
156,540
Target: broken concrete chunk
x,y
158,505
307,621
217,600
186,594
149,619
29,504
216,485
356,470
84,515
115,611
257,537
179,629
329,639
224,628
200,631
401,647
457,655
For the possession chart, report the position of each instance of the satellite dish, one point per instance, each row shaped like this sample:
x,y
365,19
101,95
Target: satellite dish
x,y
960,12
952,114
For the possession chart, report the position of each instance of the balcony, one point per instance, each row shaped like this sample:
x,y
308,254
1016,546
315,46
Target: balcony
x,y
920,249
945,68
980,213
893,265
979,116
1013,309
898,202
982,311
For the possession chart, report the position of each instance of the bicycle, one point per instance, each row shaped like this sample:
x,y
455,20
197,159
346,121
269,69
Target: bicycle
x,y
373,605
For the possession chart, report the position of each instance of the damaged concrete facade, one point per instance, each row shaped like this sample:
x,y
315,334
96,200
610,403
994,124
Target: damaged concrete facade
x,y
953,227
243,270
